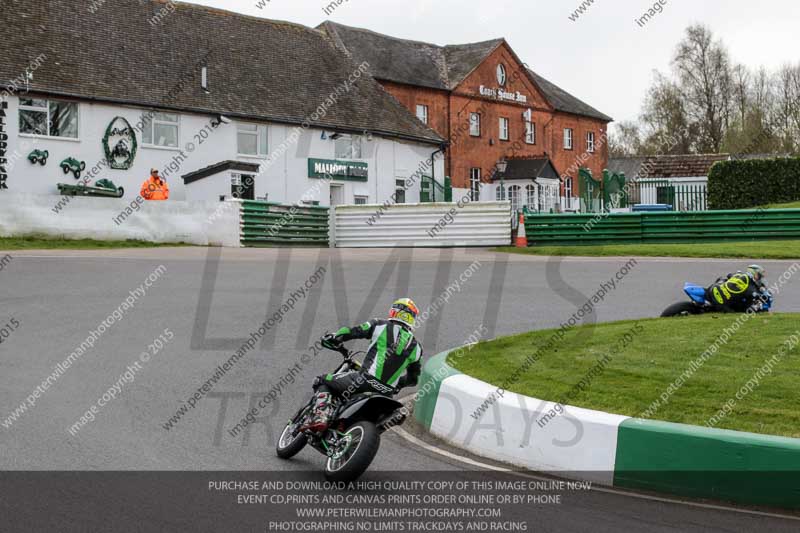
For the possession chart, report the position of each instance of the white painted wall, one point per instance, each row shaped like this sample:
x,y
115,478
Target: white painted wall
x,y
201,223
284,178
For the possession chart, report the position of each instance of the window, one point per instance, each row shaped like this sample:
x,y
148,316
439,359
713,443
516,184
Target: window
x,y
49,118
513,195
251,140
400,191
501,74
590,142
475,184
243,186
503,129
475,124
422,113
160,129
530,133
500,193
530,196
567,138
543,193
568,187
361,200
348,147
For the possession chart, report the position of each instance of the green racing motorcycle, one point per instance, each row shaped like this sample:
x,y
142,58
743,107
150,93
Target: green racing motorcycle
x,y
353,436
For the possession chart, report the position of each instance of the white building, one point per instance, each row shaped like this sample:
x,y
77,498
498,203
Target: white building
x,y
529,182
287,118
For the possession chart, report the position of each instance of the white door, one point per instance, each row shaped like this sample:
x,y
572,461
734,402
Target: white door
x,y
337,194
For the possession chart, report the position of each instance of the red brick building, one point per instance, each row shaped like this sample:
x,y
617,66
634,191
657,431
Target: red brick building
x,y
490,106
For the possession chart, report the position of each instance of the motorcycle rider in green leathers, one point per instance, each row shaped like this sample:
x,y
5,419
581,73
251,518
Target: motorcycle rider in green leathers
x,y
393,361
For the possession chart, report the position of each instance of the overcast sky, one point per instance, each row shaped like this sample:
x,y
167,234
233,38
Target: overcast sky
x,y
604,58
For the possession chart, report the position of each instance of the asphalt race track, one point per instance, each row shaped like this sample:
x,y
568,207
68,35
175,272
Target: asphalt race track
x,y
211,305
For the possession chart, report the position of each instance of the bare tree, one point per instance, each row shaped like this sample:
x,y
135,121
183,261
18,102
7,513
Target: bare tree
x,y
741,91
666,121
703,70
624,140
786,121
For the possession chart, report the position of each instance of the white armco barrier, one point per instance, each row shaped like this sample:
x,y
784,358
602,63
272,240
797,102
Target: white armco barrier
x,y
575,443
428,224
78,217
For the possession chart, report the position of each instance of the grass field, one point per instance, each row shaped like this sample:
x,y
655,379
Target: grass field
x,y
44,243
743,250
639,370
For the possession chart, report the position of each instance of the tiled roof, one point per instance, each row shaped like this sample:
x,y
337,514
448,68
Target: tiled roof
x,y
410,62
392,59
437,67
528,168
258,68
216,168
564,101
666,166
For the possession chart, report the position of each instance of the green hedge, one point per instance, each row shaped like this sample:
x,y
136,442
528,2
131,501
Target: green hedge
x,y
742,184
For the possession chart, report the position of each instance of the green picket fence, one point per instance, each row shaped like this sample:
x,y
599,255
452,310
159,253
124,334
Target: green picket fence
x,y
266,224
663,227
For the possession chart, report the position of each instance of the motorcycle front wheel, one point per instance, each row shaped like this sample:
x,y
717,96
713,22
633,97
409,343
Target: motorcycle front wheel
x,y
290,442
355,452
681,309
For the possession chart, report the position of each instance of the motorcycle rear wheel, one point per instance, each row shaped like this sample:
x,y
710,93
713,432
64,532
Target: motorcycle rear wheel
x,y
363,441
288,446
681,309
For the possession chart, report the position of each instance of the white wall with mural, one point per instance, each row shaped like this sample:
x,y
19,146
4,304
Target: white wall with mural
x,y
180,143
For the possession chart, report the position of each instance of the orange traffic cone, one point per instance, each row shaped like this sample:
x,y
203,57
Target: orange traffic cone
x,y
522,239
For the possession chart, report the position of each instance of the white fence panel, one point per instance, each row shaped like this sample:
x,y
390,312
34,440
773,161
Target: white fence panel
x,y
423,225
77,217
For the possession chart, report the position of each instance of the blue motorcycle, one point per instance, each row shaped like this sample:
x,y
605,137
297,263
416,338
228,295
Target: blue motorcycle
x,y
698,304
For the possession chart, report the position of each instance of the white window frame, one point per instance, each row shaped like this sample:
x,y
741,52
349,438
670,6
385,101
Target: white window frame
x,y
359,199
568,185
500,193
530,132
569,136
590,142
152,121
46,109
530,196
475,124
262,139
513,195
504,129
475,184
422,113
354,139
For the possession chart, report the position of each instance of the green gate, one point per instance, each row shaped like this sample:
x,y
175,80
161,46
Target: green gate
x,y
615,195
433,191
601,196
590,192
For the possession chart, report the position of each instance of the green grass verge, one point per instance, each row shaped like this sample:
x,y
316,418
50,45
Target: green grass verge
x,y
47,243
791,205
638,373
744,250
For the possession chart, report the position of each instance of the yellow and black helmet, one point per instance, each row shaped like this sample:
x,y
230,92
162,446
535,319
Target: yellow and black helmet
x,y
404,310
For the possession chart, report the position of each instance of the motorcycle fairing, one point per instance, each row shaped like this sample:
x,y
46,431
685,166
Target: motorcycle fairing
x,y
695,292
